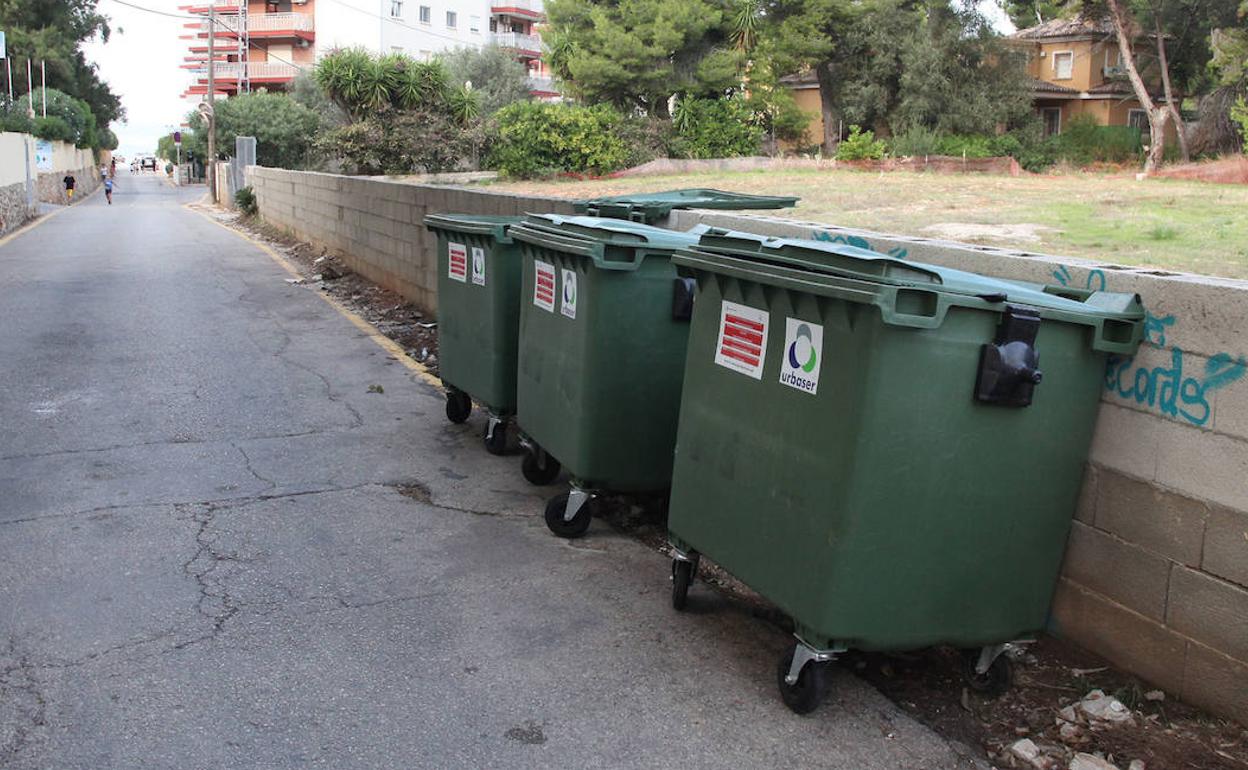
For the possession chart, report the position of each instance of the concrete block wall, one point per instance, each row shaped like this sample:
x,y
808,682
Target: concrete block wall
x,y
375,224
1156,571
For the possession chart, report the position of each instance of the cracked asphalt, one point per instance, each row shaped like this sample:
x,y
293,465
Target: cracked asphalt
x,y
207,558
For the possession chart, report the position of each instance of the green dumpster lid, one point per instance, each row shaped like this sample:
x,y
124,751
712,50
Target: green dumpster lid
x,y
613,244
861,275
476,224
647,207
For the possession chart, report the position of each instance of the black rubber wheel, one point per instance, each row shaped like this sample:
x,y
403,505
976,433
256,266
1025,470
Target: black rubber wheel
x,y
458,406
496,444
538,474
579,524
993,682
811,688
682,578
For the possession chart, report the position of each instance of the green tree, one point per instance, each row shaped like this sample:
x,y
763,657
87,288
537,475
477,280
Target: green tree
x,y
68,119
497,78
284,129
538,138
53,31
637,54
362,84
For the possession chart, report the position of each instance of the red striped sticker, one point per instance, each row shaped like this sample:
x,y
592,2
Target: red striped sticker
x,y
457,267
544,285
742,343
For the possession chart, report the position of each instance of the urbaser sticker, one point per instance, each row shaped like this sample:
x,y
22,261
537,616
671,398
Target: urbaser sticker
x,y
478,265
544,285
568,305
457,264
742,343
803,355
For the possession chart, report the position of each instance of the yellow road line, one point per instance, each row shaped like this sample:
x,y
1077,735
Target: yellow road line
x,y
32,224
386,344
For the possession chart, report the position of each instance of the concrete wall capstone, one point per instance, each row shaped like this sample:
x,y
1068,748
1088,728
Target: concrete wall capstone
x,y
1156,572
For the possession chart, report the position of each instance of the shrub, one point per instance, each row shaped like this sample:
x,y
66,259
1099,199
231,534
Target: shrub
x,y
539,138
1085,141
54,128
245,199
715,128
13,115
645,138
401,143
860,145
1239,114
915,142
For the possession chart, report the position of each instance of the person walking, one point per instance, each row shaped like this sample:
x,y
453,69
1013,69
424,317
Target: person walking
x,y
108,190
69,182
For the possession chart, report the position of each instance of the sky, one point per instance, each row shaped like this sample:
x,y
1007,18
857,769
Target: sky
x,y
142,62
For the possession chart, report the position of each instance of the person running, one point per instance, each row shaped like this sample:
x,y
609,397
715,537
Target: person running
x,y
69,186
108,190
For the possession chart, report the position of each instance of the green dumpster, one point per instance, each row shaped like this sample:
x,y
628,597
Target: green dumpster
x,y
478,309
889,451
603,324
652,208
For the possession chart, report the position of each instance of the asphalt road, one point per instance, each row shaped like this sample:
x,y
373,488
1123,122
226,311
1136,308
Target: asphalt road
x,y
207,559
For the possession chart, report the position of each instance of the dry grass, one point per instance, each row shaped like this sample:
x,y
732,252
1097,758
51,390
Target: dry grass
x,y
1165,223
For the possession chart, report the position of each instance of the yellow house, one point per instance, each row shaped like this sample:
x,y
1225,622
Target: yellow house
x,y
1076,69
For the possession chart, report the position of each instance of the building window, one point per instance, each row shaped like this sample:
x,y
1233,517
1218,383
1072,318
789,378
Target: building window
x,y
397,50
1139,119
1052,120
426,55
426,15
396,8
1063,65
474,24
452,19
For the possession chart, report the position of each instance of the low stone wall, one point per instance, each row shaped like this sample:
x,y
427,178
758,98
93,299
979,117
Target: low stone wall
x,y
1156,572
13,209
50,187
376,224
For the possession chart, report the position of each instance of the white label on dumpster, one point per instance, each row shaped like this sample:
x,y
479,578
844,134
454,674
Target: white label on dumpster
x,y
803,355
457,261
544,285
568,305
742,343
478,265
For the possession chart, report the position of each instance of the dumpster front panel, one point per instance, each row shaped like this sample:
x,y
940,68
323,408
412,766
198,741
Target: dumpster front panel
x,y
598,382
478,316
858,484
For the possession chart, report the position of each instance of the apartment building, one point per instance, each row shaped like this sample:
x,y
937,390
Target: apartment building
x,y
266,43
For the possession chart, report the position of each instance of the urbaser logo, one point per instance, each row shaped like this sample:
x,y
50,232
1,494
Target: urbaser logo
x,y
803,355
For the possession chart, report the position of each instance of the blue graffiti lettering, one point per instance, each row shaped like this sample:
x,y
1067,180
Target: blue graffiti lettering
x,y
896,252
1095,281
1167,390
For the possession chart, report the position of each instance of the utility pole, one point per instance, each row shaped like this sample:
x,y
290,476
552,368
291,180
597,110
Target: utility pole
x,y
43,75
211,116
30,91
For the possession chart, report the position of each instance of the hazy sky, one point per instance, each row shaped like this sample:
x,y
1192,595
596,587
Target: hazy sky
x,y
142,63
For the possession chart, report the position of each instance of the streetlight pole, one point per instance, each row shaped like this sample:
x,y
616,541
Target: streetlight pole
x,y
211,116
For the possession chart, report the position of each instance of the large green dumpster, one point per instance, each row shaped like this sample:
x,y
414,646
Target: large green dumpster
x,y
478,317
652,208
602,346
870,444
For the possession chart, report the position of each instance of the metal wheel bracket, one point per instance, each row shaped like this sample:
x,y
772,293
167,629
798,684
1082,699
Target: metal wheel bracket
x,y
803,653
680,555
989,654
494,422
576,499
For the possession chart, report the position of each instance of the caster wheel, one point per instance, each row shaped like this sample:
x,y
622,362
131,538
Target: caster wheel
x,y
810,689
682,578
496,444
537,472
993,682
579,524
458,406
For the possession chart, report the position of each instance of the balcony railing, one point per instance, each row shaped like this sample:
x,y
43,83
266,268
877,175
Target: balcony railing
x,y
263,22
518,41
256,70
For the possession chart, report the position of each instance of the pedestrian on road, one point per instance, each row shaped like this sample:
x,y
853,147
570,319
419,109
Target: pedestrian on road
x,y
108,190
69,186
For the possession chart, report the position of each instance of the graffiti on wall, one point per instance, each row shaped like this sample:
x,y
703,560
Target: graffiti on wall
x,y
857,242
1176,389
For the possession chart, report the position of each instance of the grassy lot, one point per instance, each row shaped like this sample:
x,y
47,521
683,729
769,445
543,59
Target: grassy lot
x,y
1172,224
